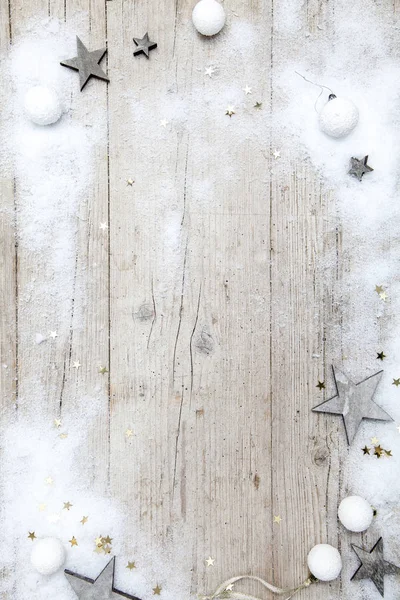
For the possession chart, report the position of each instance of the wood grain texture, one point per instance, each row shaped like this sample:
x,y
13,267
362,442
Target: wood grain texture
x,y
210,317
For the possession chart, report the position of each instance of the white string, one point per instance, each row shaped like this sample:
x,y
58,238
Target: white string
x,y
317,85
222,592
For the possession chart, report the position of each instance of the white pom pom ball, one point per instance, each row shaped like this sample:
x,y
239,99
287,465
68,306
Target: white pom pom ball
x,y
208,17
338,117
42,105
355,513
48,555
324,562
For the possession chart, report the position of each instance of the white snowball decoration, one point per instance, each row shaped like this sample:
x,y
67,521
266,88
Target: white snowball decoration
x,y
208,17
42,105
324,562
48,555
355,513
338,117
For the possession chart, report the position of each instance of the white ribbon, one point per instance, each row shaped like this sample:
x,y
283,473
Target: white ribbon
x,y
222,593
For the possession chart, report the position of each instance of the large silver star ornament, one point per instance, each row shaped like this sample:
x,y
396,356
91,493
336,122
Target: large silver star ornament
x,y
354,402
101,588
374,566
87,63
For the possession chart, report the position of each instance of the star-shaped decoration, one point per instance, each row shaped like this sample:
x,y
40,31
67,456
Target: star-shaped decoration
x,y
230,111
76,364
164,123
229,588
87,63
67,505
131,565
57,423
31,535
53,335
63,436
277,519
380,356
94,589
157,590
144,45
129,433
379,289
103,226
130,182
276,154
49,480
247,90
103,370
209,71
359,167
73,541
374,441
210,561
396,382
383,296
378,451
354,402
258,105
84,520
388,453
320,385
366,450
374,566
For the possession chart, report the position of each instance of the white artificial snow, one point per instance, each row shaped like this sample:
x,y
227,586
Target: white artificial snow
x,y
324,562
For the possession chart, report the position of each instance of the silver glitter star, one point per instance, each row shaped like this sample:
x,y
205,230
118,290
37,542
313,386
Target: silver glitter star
x,y
374,566
87,63
144,45
354,402
101,588
359,167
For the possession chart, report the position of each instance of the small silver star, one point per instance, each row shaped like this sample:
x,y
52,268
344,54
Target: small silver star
x,y
230,111
210,561
164,123
103,226
76,364
247,90
53,335
276,154
359,167
144,45
209,71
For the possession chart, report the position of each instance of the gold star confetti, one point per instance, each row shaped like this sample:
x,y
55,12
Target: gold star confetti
x,y
379,289
247,90
107,540
388,452
277,519
98,541
103,370
57,423
42,507
383,296
209,71
276,154
84,520
210,561
380,356
103,226
320,385
131,565
378,451
366,449
63,436
164,123
230,111
67,505
258,105
396,382
157,590
130,182
53,335
31,535
73,541
374,441
129,433
103,544
49,480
